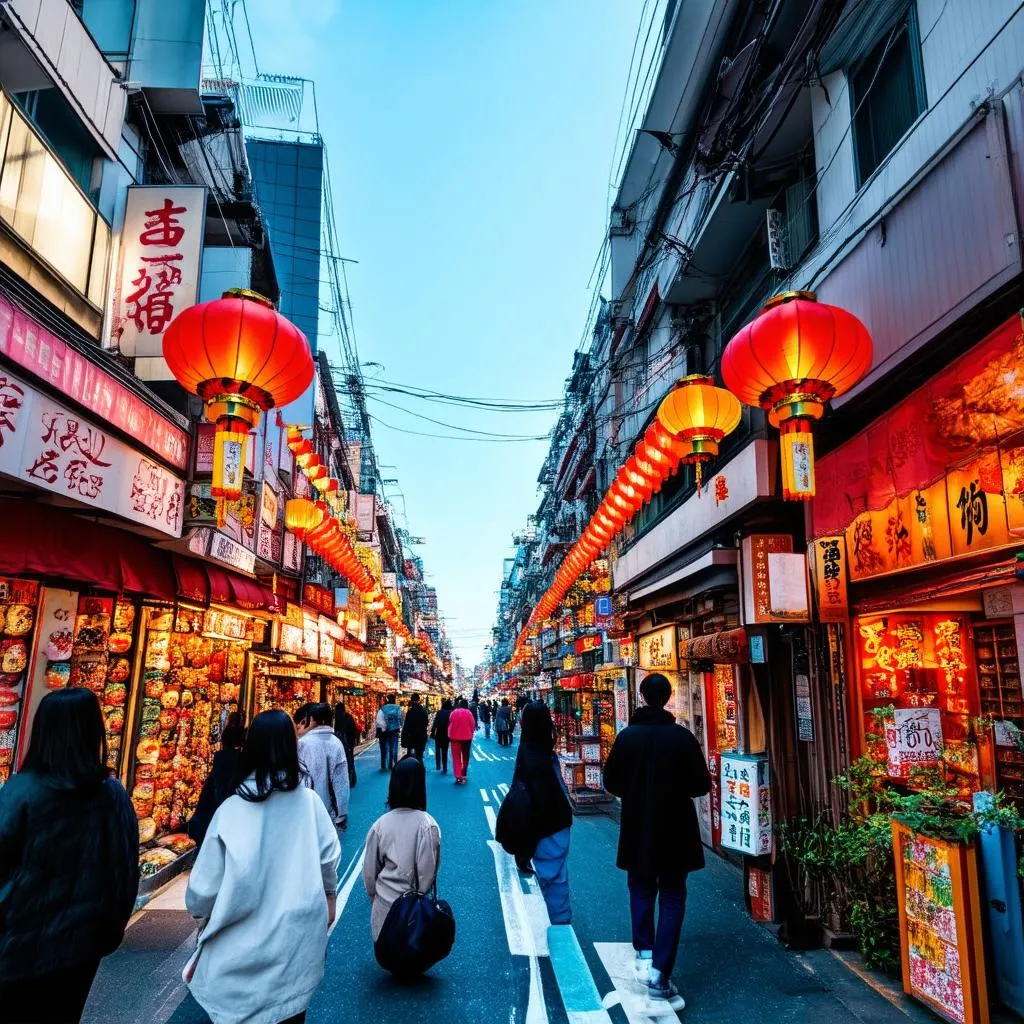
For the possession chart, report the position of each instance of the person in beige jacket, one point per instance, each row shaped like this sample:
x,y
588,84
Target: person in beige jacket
x,y
403,848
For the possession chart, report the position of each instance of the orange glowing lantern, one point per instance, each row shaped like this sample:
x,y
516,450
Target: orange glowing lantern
x,y
699,414
794,356
242,358
301,516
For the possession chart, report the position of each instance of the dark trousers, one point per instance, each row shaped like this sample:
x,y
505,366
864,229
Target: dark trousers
x,y
382,742
392,740
669,892
55,998
350,757
416,751
441,755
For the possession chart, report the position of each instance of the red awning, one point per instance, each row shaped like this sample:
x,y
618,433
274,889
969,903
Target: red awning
x,y
40,540
198,581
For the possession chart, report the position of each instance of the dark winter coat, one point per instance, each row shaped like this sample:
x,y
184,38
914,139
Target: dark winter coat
x,y
538,770
485,714
216,789
345,729
439,730
69,873
503,722
657,767
414,731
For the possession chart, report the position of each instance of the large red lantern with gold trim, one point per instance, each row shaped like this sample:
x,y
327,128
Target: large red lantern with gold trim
x,y
242,358
794,356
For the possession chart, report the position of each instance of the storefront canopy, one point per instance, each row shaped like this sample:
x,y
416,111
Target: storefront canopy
x,y
209,583
40,540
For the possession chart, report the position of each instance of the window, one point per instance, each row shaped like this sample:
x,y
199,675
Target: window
x,y
887,92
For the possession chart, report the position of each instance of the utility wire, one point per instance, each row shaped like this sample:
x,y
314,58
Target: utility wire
x,y
454,426
454,437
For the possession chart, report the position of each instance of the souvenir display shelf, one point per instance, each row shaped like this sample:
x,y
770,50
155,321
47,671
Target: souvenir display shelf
x,y
1002,701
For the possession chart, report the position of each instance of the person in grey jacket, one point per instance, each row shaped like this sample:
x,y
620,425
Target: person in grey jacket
x,y
322,755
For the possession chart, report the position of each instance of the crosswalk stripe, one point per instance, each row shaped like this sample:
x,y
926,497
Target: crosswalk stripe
x,y
477,756
617,959
575,982
503,786
486,798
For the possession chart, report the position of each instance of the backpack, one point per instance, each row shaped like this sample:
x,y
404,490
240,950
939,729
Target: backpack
x,y
514,829
392,717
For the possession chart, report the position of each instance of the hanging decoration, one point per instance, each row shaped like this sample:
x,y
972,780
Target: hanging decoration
x,y
242,358
691,422
791,359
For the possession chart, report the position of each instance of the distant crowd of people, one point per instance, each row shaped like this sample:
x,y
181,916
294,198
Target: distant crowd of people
x,y
69,871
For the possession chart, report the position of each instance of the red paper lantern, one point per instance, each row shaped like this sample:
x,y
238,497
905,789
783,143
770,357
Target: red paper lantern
x,y
794,356
242,358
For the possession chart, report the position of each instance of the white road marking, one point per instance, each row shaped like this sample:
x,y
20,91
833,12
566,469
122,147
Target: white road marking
x,y
504,788
497,796
639,1008
477,756
576,985
486,798
492,819
355,872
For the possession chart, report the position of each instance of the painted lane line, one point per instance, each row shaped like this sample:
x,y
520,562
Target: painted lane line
x,y
497,797
477,756
492,819
486,798
346,890
503,786
617,959
580,997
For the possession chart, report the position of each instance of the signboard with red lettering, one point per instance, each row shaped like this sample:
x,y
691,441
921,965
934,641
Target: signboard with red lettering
x,y
31,346
44,444
158,276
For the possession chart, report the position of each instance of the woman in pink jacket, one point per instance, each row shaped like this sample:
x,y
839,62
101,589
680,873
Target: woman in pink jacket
x,y
461,728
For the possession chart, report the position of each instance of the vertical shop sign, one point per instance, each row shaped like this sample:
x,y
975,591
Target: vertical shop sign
x,y
620,685
757,586
746,805
366,510
804,713
158,275
828,555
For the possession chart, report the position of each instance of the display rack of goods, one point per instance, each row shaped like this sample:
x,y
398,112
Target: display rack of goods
x,y
1002,701
19,601
102,654
284,688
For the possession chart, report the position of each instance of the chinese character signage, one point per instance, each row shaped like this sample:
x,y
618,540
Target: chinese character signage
x,y
658,650
746,805
759,605
32,347
45,444
159,270
913,739
940,925
828,554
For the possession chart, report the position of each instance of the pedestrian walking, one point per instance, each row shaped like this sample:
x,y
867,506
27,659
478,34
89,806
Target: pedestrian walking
x,y
218,785
439,734
380,726
503,723
485,718
414,730
322,756
547,841
346,730
403,847
474,708
263,888
69,869
389,729
657,767
461,729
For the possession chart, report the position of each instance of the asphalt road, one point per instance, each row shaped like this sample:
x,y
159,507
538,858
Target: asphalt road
x,y
505,965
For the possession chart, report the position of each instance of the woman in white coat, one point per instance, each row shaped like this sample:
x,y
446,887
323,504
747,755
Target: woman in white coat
x,y
264,887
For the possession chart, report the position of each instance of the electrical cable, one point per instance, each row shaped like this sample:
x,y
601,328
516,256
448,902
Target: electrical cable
x,y
452,437
454,426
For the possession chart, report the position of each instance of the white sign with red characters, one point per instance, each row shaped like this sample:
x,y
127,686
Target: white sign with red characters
x,y
159,267
47,445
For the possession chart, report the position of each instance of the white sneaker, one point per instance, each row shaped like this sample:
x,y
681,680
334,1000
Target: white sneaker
x,y
642,965
662,990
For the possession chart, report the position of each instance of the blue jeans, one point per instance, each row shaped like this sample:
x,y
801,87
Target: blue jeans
x,y
551,862
391,741
670,894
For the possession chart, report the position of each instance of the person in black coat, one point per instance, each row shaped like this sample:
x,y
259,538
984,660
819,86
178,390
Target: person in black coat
x,y
545,840
345,730
217,786
414,729
69,863
439,734
657,767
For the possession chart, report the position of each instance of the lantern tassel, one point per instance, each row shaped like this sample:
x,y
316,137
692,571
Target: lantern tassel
x,y
222,512
698,472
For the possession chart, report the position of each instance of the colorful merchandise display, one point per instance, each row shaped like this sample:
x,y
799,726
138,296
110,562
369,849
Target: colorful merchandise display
x,y
18,607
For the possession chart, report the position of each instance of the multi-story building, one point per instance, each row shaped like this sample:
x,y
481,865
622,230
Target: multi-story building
x,y
868,153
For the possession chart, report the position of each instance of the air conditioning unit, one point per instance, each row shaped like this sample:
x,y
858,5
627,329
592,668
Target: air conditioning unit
x,y
621,223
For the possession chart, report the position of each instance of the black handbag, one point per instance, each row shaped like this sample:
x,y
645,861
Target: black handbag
x,y
418,932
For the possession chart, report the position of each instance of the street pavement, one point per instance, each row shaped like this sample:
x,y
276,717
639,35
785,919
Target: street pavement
x,y
506,965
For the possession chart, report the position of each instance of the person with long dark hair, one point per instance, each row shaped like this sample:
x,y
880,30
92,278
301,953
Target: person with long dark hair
x,y
69,863
264,887
218,785
551,813
403,848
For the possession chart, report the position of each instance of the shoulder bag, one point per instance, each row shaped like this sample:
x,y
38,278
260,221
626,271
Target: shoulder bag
x,y
418,932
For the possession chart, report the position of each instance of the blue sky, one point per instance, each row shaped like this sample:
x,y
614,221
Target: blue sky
x,y
470,143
